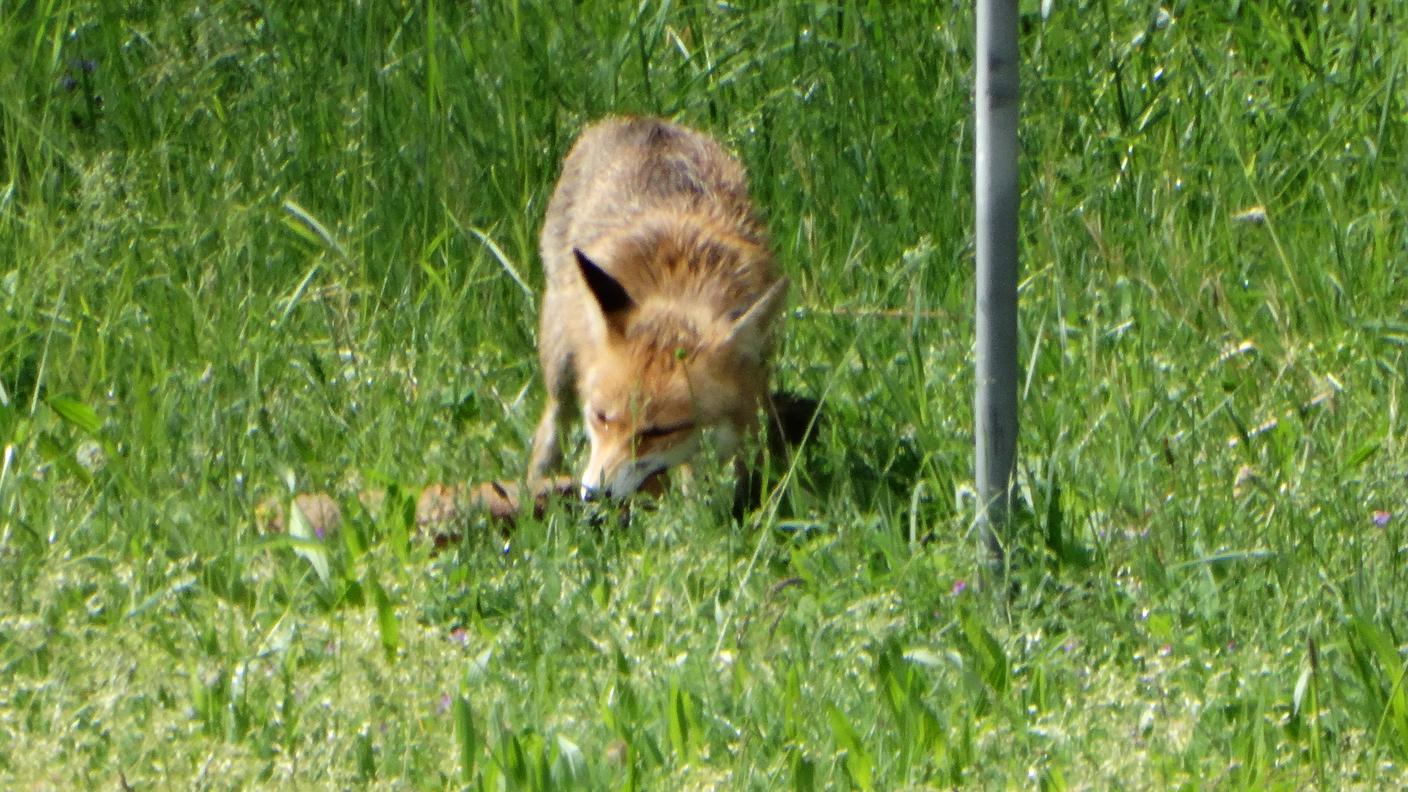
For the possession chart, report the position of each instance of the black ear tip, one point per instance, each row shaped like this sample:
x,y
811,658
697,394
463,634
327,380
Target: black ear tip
x,y
608,291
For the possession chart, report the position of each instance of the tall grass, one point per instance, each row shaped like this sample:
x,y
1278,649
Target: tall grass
x,y
251,250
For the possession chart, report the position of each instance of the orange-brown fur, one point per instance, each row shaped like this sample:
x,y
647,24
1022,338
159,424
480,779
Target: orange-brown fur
x,y
661,294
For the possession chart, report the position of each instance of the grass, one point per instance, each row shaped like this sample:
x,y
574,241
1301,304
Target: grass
x,y
248,250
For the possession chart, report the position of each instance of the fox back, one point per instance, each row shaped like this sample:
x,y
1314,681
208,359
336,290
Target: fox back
x,y
661,296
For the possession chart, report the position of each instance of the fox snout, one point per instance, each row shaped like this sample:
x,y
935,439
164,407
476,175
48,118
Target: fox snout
x,y
618,472
624,481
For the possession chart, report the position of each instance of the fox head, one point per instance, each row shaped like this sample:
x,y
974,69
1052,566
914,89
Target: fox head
x,y
669,373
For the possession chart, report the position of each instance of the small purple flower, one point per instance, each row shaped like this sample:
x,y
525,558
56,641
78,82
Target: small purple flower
x,y
68,83
444,705
460,636
1381,517
1165,650
959,586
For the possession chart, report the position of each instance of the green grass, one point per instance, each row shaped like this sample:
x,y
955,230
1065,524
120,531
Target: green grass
x,y
254,249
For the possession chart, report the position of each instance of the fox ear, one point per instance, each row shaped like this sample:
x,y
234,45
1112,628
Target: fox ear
x,y
610,295
752,324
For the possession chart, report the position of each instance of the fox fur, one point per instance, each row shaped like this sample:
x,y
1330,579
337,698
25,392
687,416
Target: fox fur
x,y
657,322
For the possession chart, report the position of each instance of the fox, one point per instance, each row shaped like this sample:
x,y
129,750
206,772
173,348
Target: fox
x,y
657,321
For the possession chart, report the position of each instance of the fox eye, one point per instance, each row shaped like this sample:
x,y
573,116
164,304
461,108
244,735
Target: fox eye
x,y
665,430
600,417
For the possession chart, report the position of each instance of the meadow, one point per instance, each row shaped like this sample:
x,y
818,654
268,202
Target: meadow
x,y
249,250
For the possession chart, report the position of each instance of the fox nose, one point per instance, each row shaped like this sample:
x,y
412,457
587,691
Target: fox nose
x,y
620,483
606,492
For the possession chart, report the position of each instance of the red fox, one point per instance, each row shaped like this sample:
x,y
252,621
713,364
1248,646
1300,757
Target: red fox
x,y
661,298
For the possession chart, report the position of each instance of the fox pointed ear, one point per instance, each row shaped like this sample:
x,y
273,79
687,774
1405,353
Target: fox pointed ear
x,y
610,295
753,323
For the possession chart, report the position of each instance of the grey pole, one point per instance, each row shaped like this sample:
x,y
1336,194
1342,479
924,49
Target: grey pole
x,y
996,186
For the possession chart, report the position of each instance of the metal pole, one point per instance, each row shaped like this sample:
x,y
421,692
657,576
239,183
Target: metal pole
x,y
996,186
